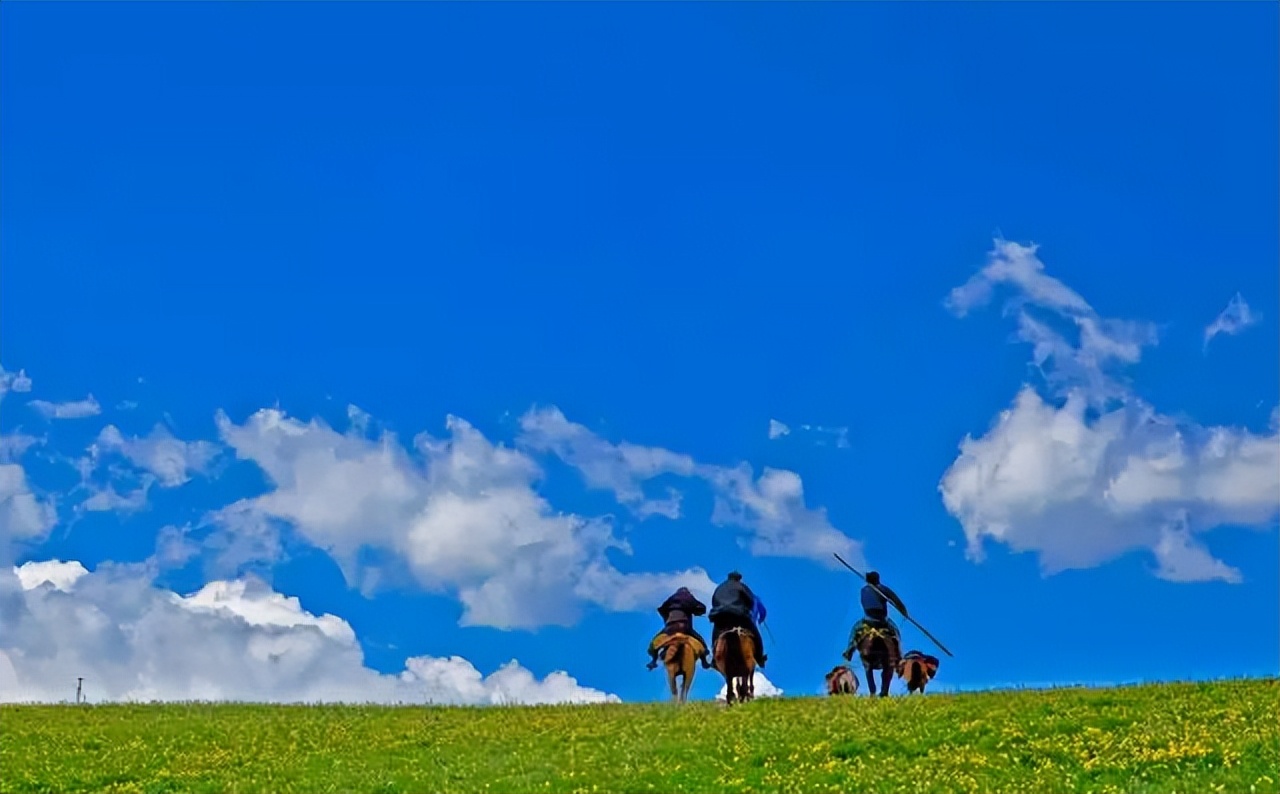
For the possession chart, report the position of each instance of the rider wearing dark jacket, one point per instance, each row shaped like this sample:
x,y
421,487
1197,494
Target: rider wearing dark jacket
x,y
731,607
875,598
876,606
678,612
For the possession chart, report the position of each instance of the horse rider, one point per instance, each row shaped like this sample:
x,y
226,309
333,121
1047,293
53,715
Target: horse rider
x,y
876,598
733,606
678,612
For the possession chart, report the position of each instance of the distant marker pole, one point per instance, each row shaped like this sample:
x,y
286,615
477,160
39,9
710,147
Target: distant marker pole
x,y
923,630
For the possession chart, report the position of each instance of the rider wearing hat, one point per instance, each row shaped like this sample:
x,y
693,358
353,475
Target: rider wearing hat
x,y
678,612
733,606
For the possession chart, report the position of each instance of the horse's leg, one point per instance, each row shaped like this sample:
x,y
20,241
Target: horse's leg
x,y
871,680
886,675
673,670
690,667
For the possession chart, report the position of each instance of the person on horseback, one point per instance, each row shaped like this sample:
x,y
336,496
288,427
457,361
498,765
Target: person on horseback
x,y
733,605
678,612
876,598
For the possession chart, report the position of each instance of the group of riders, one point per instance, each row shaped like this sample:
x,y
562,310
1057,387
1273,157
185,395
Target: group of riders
x,y
733,605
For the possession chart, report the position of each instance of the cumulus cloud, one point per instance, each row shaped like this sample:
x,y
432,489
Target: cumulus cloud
x,y
777,429
231,640
771,507
1094,472
1236,317
458,515
170,460
764,688
75,409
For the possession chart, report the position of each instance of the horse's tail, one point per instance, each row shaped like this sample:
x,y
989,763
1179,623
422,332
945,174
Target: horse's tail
x,y
676,646
733,658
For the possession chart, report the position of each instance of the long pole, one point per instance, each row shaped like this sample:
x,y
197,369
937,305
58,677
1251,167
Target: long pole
x,y
895,606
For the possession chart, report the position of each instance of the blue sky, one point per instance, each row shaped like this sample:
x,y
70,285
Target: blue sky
x,y
615,241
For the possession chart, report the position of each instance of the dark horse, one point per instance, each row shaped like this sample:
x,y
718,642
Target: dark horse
x,y
735,658
880,650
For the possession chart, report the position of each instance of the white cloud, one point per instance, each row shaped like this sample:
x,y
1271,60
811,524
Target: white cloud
x,y
1098,472
840,435
75,409
17,382
1236,317
62,575
772,507
23,514
1183,559
14,445
108,499
170,460
620,468
459,516
764,688
235,640
1018,266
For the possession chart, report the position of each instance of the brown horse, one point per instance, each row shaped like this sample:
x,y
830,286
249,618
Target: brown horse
x,y
917,670
681,662
879,650
842,681
735,658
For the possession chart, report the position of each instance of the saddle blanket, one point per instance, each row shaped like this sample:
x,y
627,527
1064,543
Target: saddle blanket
x,y
662,637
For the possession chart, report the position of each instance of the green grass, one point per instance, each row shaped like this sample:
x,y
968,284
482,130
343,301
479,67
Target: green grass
x,y
1222,736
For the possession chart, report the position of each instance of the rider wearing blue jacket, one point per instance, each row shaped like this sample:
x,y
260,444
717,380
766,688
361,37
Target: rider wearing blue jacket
x,y
876,606
875,599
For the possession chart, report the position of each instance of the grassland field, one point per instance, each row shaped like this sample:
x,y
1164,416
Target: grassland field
x,y
1205,737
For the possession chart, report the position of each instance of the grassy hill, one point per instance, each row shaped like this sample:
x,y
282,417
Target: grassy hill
x,y
1222,736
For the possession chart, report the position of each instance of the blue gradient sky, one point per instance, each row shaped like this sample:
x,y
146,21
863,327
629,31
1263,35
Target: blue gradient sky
x,y
673,223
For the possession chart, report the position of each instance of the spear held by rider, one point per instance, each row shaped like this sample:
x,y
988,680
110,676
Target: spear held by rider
x,y
893,601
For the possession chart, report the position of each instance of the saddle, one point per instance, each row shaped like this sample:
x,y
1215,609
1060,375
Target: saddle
x,y
873,628
866,630
926,658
